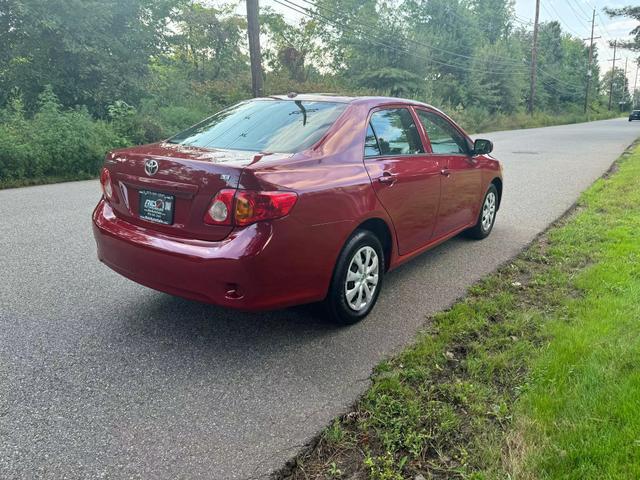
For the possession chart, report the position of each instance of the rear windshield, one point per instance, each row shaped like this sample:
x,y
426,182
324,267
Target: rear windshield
x,y
275,126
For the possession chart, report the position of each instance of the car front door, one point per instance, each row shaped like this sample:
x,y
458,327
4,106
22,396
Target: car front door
x,y
405,179
462,177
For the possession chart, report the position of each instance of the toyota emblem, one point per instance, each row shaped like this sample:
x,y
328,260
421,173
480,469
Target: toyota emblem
x,y
151,167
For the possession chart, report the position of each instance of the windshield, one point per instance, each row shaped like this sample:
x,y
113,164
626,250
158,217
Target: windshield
x,y
275,126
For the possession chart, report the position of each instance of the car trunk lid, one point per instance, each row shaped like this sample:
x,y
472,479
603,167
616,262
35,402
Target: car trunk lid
x,y
168,187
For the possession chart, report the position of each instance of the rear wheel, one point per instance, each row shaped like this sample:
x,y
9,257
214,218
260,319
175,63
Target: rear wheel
x,y
357,279
487,215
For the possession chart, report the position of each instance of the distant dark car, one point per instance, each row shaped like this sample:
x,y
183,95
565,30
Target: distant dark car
x,y
292,199
635,115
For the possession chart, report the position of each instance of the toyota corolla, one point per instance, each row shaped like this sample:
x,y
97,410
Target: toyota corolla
x,y
294,199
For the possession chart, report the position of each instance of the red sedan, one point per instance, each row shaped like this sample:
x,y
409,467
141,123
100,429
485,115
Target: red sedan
x,y
292,199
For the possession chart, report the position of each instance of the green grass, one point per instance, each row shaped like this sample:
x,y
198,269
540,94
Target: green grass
x,y
580,416
477,122
535,374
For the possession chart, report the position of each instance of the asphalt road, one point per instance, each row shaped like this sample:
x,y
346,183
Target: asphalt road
x,y
102,378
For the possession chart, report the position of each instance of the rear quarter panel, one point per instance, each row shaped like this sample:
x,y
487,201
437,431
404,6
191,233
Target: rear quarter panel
x,y
334,196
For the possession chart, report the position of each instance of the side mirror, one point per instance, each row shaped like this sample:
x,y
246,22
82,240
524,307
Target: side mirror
x,y
482,147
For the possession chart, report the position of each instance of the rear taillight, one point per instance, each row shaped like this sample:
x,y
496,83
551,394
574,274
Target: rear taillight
x,y
256,206
220,211
105,182
244,207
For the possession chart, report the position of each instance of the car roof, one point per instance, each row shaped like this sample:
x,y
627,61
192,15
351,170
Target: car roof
x,y
314,97
332,97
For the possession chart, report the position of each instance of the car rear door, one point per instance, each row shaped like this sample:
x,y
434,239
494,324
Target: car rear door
x,y
405,179
462,177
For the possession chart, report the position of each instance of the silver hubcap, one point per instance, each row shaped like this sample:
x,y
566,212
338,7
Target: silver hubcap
x,y
488,211
362,278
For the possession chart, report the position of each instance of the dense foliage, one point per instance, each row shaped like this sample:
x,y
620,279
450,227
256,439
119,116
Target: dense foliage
x,y
78,77
52,143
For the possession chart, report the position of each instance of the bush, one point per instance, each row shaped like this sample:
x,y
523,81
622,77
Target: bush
x,y
53,143
475,120
71,144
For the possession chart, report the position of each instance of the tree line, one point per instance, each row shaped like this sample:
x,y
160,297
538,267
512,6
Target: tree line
x,y
133,71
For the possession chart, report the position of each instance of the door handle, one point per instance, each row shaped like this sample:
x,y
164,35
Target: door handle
x,y
387,178
446,172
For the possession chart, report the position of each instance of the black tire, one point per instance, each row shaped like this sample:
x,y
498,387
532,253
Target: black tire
x,y
479,231
336,302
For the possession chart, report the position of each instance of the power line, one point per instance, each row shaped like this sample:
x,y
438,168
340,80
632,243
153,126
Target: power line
x,y
519,65
523,21
573,93
578,15
564,82
376,40
506,60
560,19
569,86
604,26
309,13
579,5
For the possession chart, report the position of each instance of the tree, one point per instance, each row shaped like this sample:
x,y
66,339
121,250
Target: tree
x,y
494,85
620,86
446,35
91,52
291,49
363,37
493,18
209,40
631,12
169,61
11,32
392,81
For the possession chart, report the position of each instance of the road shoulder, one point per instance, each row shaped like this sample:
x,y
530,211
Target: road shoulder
x,y
526,374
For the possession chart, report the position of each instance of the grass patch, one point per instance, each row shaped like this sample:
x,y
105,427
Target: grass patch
x,y
476,121
533,375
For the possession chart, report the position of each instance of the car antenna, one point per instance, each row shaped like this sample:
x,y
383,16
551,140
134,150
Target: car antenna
x,y
304,112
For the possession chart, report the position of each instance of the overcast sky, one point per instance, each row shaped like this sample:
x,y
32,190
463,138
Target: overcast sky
x,y
573,15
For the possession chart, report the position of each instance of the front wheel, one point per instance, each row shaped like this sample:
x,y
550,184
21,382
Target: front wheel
x,y
487,215
357,279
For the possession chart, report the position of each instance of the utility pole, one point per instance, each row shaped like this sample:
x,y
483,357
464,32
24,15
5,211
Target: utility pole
x,y
626,81
534,58
635,84
253,31
613,72
589,72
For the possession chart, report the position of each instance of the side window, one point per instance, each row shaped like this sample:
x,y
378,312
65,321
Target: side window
x,y
443,137
396,132
371,148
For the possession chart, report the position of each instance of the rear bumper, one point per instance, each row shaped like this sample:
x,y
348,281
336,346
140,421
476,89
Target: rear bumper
x,y
243,271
